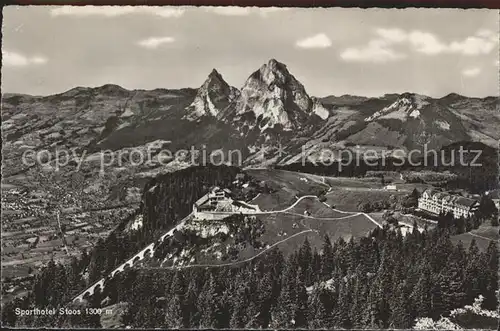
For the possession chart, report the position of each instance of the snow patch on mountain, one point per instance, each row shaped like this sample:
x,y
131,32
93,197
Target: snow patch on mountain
x,y
407,105
415,113
196,109
443,125
320,110
127,113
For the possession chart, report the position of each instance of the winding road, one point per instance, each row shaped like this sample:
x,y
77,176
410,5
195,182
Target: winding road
x,y
142,254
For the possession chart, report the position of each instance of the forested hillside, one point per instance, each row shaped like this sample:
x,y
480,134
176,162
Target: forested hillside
x,y
380,281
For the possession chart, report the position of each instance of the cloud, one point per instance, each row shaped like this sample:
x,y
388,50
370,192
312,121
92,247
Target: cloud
x,y
474,45
13,59
155,42
377,51
426,43
483,42
392,35
379,48
320,40
114,11
471,72
421,41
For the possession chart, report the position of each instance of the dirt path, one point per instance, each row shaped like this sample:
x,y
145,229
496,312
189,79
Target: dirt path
x,y
323,218
482,237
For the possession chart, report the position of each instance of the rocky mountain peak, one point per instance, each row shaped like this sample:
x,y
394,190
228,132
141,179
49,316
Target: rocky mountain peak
x,y
215,75
274,63
212,97
214,82
274,73
273,96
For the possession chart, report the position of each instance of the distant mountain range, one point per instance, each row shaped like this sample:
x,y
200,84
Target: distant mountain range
x,y
271,109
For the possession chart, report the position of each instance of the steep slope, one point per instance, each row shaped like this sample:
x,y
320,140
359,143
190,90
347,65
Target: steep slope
x,y
212,97
406,106
272,110
272,98
412,122
480,117
408,121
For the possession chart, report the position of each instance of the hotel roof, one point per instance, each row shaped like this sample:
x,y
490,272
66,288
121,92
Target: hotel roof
x,y
451,199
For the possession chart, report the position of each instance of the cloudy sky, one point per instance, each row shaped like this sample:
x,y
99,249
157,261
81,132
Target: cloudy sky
x,y
335,51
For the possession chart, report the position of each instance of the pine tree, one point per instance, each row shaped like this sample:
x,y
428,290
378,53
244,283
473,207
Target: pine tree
x,y
359,297
317,311
173,315
178,283
437,305
327,258
490,300
9,316
453,281
341,314
305,260
472,272
264,298
209,305
238,315
381,290
253,319
301,304
315,267
487,208
191,312
283,313
400,310
421,295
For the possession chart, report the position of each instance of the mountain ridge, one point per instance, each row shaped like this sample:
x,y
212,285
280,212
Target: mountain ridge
x,y
450,94
272,106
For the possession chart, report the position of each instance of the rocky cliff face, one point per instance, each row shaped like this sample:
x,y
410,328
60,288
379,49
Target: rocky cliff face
x,y
272,109
273,98
212,97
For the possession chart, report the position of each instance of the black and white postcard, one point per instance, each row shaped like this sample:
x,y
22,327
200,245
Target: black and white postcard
x,y
188,167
